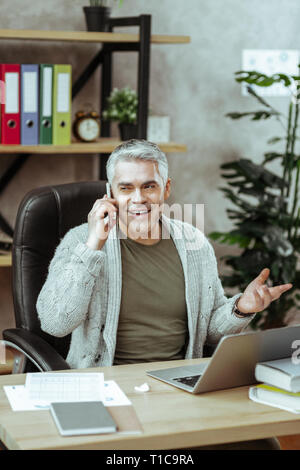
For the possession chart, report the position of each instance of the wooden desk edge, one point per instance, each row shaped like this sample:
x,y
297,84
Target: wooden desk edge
x,y
266,422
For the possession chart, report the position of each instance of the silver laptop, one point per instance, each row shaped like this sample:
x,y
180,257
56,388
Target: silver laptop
x,y
233,362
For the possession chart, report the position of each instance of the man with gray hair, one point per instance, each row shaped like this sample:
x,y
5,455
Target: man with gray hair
x,y
129,294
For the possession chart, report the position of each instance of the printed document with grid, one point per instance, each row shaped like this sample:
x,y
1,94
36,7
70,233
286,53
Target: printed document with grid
x,y
52,387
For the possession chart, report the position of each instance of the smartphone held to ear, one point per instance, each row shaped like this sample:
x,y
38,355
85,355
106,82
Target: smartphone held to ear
x,y
108,193
108,190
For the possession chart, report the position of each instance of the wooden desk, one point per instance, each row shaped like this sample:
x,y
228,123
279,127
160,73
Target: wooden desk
x,y
171,418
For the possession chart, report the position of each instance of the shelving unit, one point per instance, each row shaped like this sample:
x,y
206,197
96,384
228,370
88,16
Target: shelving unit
x,y
104,145
84,36
111,42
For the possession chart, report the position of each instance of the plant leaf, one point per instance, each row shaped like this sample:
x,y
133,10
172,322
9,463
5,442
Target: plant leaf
x,y
270,156
274,140
256,115
260,79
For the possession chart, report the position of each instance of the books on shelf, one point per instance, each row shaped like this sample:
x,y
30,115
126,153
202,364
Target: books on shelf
x,y
281,373
35,104
281,384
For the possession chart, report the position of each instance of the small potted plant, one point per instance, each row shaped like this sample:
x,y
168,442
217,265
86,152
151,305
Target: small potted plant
x,y
122,106
97,15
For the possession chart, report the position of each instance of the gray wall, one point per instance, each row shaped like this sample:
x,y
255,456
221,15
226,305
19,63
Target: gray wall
x,y
192,83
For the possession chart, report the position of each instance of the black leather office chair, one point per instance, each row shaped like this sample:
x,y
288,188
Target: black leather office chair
x,y
44,216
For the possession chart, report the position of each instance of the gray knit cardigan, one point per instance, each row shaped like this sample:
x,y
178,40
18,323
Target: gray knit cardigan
x,y
82,294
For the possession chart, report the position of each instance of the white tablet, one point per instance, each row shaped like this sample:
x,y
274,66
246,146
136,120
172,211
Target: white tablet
x,y
85,417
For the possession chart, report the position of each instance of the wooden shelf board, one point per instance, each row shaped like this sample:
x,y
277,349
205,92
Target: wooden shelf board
x,y
5,260
84,36
104,145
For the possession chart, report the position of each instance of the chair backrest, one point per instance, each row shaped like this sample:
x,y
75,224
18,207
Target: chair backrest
x,y
45,215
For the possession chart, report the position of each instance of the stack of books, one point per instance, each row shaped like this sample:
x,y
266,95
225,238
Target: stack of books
x,y
281,384
35,104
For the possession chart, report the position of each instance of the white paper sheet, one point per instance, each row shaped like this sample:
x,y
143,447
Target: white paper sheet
x,y
49,387
113,395
19,399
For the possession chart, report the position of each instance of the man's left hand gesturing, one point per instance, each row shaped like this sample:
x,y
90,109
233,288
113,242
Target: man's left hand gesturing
x,y
258,296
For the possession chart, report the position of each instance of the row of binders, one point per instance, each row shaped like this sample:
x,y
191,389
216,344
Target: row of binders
x,y
35,104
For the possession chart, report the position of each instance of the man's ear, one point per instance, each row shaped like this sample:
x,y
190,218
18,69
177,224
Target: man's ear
x,y
167,190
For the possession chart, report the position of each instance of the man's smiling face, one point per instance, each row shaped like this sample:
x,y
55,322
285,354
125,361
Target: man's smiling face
x,y
138,188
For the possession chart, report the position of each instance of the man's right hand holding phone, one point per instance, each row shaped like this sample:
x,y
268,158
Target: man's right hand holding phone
x,y
99,225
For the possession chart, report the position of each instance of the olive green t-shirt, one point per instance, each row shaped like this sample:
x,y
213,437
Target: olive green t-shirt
x,y
153,317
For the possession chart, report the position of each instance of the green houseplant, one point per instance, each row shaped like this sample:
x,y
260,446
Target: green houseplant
x,y
122,107
266,213
97,14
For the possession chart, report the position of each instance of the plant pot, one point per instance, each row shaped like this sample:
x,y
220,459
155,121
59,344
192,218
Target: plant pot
x,y
128,131
97,18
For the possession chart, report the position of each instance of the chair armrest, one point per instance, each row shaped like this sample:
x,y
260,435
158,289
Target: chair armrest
x,y
35,348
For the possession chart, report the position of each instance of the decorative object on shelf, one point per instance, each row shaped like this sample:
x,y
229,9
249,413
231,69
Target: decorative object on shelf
x,y
267,226
122,106
86,126
97,15
128,131
158,128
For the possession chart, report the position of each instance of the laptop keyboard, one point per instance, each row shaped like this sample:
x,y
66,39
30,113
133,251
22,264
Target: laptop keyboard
x,y
190,380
